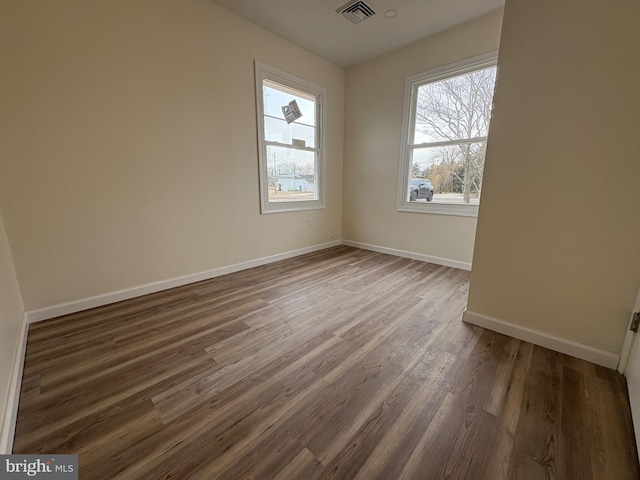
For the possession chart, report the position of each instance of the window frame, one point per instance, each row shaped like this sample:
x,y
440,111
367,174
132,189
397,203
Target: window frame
x,y
267,72
412,83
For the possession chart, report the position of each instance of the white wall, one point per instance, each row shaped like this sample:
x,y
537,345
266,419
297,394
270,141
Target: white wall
x,y
129,151
557,247
11,312
373,137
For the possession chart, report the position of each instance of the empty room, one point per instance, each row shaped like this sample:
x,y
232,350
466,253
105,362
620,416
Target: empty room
x,y
311,240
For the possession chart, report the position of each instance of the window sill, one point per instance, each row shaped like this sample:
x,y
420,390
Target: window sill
x,y
439,209
282,207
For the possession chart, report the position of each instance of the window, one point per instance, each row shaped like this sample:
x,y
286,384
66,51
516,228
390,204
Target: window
x,y
446,122
290,136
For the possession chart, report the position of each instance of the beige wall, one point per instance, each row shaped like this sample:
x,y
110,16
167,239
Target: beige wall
x,y
129,144
558,247
11,312
373,125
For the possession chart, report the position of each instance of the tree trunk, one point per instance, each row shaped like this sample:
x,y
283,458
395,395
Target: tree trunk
x,y
466,181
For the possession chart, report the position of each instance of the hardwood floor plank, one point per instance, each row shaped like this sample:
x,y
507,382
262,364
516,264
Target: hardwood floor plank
x,y
338,364
304,465
266,388
265,460
174,402
506,358
392,452
574,402
484,379
348,459
610,455
456,445
498,467
212,442
539,454
34,426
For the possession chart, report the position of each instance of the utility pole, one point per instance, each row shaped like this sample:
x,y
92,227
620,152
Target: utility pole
x,y
275,174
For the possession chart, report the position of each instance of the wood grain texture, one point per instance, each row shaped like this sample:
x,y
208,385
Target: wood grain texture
x,y
340,364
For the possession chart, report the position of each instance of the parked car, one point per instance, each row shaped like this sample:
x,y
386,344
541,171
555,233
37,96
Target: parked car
x,y
420,188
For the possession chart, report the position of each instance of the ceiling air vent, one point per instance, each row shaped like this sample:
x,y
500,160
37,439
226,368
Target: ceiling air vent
x,y
357,11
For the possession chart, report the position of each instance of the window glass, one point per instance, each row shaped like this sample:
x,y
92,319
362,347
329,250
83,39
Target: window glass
x,y
447,116
290,144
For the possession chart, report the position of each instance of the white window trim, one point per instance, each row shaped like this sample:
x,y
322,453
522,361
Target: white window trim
x,y
263,71
410,90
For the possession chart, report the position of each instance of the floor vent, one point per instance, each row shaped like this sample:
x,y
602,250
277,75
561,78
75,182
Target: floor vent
x,y
357,11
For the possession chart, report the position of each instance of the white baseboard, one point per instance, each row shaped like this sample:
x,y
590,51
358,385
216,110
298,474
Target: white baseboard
x,y
11,411
126,294
568,347
447,262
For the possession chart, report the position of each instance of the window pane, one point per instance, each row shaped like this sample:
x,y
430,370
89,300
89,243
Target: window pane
x,y
454,172
291,174
291,157
456,108
277,130
275,96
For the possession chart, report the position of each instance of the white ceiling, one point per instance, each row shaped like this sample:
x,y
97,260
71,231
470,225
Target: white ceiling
x,y
315,26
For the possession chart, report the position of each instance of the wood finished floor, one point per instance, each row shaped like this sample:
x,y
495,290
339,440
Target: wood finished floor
x,y
343,364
